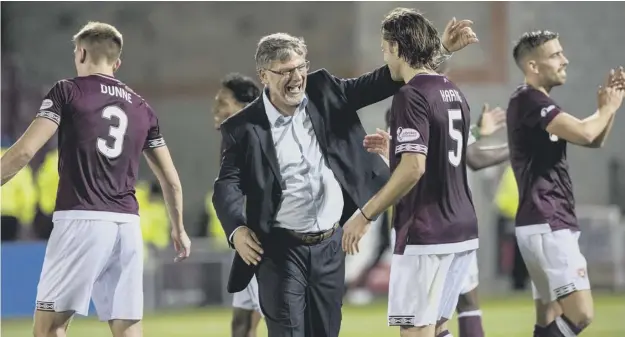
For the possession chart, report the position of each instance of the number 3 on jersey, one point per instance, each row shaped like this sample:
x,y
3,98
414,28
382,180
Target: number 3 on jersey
x,y
116,132
455,157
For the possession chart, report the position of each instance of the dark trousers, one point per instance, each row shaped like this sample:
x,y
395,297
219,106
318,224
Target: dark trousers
x,y
300,286
10,228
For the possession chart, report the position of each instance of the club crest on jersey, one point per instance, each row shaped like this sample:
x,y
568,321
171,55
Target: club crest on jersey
x,y
407,134
545,111
553,138
46,104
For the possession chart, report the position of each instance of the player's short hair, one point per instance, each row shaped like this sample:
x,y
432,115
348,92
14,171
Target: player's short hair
x,y
101,40
277,47
416,37
529,42
243,88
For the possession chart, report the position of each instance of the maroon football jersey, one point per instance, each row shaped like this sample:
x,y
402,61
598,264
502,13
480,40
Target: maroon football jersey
x,y
539,162
430,115
103,128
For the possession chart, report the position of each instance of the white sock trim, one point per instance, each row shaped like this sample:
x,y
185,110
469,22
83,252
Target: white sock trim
x,y
470,313
564,328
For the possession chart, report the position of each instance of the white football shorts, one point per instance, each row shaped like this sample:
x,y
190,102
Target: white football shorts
x,y
93,259
424,288
554,262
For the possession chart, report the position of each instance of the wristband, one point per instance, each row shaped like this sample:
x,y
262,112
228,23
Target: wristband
x,y
364,216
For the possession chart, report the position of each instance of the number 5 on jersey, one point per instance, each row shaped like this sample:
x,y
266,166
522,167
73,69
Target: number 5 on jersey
x,y
116,132
455,157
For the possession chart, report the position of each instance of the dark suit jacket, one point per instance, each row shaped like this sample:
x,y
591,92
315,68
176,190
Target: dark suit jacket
x,y
250,166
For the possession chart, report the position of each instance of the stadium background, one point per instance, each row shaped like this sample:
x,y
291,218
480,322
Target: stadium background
x,y
174,56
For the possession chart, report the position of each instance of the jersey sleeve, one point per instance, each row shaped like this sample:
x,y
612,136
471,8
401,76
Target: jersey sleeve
x,y
413,125
155,138
541,110
55,101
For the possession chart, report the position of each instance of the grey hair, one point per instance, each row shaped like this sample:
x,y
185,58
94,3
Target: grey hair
x,y
277,47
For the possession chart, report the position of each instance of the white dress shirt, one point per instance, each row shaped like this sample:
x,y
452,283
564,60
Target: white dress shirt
x,y
312,200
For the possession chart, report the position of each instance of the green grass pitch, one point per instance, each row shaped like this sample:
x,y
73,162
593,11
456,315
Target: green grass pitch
x,y
503,317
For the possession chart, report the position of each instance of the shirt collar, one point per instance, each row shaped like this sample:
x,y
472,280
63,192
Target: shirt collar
x,y
272,113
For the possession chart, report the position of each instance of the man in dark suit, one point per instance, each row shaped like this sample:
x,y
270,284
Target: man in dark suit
x,y
296,155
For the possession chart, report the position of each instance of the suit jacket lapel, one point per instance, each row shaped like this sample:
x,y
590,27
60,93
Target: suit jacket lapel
x,y
263,132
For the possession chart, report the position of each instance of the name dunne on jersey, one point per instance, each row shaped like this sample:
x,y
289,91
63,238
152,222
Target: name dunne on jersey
x,y
116,91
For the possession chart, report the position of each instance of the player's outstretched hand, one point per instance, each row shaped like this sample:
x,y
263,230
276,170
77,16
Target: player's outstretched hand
x,y
492,120
247,245
378,142
458,34
182,244
616,79
353,230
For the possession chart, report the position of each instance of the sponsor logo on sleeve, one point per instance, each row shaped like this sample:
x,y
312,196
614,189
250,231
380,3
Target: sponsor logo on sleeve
x,y
545,111
407,134
46,104
553,138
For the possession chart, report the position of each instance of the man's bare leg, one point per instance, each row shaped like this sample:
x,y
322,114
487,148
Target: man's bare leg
x,y
416,331
51,324
244,322
545,314
469,315
441,328
126,328
577,311
256,316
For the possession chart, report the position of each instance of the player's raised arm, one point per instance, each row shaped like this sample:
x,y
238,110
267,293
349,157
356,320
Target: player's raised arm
x,y
21,153
382,83
591,131
541,58
617,81
481,153
457,35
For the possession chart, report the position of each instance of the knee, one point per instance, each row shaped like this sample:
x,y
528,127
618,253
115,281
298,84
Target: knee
x,y
584,318
241,322
467,302
49,330
54,332
126,327
578,309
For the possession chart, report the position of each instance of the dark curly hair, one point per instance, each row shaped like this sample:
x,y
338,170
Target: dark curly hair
x,y
243,88
416,37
